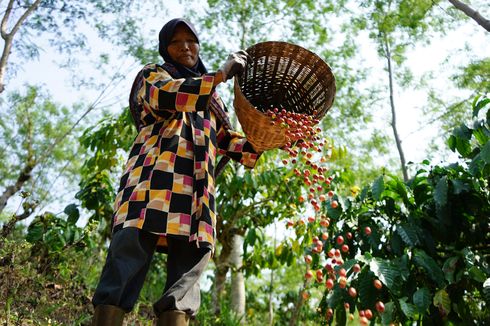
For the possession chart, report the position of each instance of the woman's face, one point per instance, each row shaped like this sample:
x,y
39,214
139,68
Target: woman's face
x,y
183,47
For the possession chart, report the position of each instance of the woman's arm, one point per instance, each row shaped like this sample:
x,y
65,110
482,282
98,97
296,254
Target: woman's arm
x,y
160,92
236,146
218,78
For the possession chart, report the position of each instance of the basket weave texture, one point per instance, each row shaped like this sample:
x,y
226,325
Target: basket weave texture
x,y
284,76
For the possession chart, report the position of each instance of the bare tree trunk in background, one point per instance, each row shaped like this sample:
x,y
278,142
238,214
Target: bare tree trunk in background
x,y
299,303
222,267
393,111
271,288
237,278
473,14
9,36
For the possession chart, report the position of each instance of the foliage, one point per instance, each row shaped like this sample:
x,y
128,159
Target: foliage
x,y
49,270
41,275
107,144
428,241
475,76
251,199
425,245
206,315
33,140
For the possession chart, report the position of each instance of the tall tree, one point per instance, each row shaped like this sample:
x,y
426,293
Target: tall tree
x,y
395,26
34,152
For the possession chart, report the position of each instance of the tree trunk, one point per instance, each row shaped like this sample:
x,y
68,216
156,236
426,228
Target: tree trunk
x,y
9,36
3,61
237,278
271,287
299,303
393,111
220,272
9,226
473,14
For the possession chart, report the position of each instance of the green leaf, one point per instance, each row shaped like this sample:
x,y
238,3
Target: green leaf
x,y
349,264
481,134
340,317
386,272
485,153
408,233
334,213
251,237
296,246
442,301
449,268
69,234
462,132
396,244
408,309
35,232
479,105
73,214
461,141
401,189
451,142
279,249
388,314
429,264
440,192
477,274
367,291
421,299
378,188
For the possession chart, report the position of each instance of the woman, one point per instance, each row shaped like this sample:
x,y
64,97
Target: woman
x,y
166,195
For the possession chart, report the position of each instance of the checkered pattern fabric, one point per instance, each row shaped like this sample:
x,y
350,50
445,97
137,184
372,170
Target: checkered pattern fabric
x,y
168,185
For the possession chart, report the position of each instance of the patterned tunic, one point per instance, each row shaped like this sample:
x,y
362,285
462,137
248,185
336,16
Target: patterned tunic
x,y
168,185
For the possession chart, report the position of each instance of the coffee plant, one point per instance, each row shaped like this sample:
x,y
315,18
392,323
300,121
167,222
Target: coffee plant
x,y
401,252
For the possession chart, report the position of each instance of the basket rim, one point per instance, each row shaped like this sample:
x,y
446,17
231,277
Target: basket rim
x,y
331,88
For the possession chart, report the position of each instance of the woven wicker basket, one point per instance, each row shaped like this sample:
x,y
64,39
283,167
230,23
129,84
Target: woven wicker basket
x,y
284,76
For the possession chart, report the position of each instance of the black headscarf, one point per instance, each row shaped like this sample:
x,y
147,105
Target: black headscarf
x,y
164,38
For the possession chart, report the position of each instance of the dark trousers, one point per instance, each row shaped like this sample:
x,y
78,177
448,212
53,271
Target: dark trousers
x,y
127,263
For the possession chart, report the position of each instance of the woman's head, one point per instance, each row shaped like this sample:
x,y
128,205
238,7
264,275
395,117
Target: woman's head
x,y
184,46
179,45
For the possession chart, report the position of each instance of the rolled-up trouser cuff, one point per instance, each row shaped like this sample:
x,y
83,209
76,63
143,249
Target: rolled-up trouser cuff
x,y
185,265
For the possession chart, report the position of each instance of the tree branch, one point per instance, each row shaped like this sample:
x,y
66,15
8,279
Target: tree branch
x,y
24,176
393,109
3,26
473,14
299,303
24,16
28,210
9,36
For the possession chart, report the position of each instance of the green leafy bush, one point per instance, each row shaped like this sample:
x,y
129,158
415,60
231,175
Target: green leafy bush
x,y
427,240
